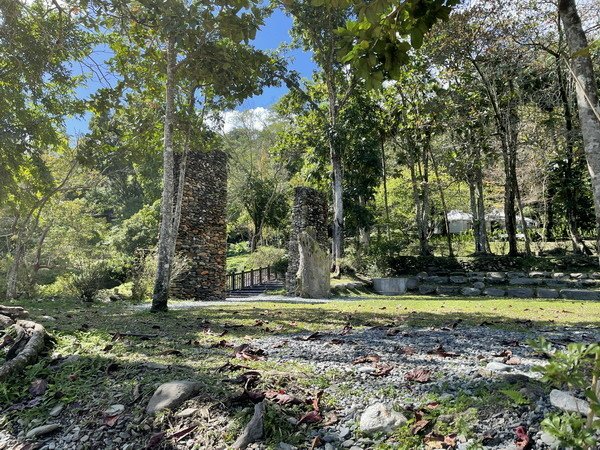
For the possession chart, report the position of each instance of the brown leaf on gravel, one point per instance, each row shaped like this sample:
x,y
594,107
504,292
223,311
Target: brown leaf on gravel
x,y
281,344
38,387
441,351
432,405
314,401
231,367
337,341
407,350
282,398
503,354
310,417
221,344
374,358
316,442
312,337
245,351
155,440
182,433
330,419
248,397
514,361
433,440
450,440
382,370
346,330
393,331
111,421
418,375
419,426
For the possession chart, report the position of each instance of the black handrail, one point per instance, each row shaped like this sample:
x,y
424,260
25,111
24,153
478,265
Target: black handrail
x,y
248,278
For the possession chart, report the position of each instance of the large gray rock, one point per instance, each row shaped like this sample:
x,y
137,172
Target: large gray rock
x,y
380,418
42,430
436,279
470,292
525,281
458,279
568,403
313,277
426,289
575,294
547,293
448,290
254,430
171,395
520,292
412,283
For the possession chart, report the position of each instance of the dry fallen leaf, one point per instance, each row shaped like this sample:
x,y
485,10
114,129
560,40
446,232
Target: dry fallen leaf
x,y
440,351
367,359
418,375
419,426
310,417
523,442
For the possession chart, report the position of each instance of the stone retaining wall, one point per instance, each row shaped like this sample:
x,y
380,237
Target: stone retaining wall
x,y
309,211
574,286
202,233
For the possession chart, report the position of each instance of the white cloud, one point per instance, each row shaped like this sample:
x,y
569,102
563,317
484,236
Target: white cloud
x,y
254,119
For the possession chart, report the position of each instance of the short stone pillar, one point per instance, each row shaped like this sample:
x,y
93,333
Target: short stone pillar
x,y
202,236
309,211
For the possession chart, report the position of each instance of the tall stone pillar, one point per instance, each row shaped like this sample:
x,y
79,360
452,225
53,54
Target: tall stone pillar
x,y
202,233
309,212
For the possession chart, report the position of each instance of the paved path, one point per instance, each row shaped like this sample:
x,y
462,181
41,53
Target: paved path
x,y
190,304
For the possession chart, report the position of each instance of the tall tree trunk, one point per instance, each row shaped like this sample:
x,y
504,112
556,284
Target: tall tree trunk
x,y
385,190
13,271
162,281
579,245
484,243
444,207
587,97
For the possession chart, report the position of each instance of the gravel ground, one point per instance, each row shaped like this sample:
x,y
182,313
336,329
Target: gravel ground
x,y
463,374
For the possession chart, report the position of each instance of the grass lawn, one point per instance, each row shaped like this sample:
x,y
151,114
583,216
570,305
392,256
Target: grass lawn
x,y
124,353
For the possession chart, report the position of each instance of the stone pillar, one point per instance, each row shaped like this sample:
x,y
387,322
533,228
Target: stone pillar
x,y
309,211
202,233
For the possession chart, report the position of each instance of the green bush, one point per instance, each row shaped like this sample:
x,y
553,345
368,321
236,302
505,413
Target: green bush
x,y
91,279
143,273
577,367
265,256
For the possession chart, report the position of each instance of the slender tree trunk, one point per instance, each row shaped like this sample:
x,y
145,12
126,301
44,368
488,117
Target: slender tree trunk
x,y
524,226
13,271
444,207
483,236
162,281
587,97
385,190
38,252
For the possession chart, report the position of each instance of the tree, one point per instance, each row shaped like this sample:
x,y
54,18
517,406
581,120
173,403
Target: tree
x,y
588,102
200,47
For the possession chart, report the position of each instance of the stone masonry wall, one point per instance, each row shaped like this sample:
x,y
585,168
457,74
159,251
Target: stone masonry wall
x,y
202,233
309,210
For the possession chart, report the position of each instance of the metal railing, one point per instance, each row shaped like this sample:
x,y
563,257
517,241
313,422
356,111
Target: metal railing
x,y
248,278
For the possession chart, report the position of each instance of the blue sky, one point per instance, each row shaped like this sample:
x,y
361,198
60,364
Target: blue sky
x,y
274,33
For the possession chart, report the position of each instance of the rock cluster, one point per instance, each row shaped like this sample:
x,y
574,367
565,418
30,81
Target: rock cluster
x,y
202,236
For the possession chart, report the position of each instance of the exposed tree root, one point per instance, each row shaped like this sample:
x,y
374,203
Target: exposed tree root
x,y
25,338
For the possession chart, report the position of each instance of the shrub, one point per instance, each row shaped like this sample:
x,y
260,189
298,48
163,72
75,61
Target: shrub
x,y
91,279
144,270
265,256
577,367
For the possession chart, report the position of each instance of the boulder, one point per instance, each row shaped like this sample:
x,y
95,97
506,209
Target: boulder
x,y
458,279
42,430
380,418
525,281
171,395
313,276
576,294
470,292
520,292
568,403
494,292
426,289
448,290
